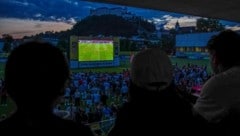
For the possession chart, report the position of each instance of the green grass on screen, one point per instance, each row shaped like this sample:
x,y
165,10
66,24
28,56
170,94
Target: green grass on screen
x,y
95,51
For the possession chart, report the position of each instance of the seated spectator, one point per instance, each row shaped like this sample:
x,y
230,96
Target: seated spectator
x,y
154,106
35,77
219,101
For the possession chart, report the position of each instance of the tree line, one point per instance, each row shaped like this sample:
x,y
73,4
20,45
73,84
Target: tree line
x,y
112,25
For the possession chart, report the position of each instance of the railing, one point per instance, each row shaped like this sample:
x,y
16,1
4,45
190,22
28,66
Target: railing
x,y
102,127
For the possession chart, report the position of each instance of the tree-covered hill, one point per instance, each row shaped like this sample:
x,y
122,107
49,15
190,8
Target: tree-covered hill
x,y
105,25
110,25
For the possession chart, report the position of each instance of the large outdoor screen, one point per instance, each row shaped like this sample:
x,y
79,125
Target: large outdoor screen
x,y
95,50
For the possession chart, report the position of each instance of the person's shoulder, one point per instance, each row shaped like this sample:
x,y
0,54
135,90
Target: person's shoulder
x,y
222,80
232,73
213,84
229,74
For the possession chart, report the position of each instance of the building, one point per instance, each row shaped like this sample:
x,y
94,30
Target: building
x,y
193,45
184,29
118,11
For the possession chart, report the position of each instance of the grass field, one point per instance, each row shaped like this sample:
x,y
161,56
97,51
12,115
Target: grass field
x,y
124,65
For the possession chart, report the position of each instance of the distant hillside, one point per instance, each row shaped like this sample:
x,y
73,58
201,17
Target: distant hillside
x,y
105,25
110,25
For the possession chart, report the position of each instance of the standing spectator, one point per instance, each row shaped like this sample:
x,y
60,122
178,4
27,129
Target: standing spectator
x,y
77,96
67,96
35,76
154,106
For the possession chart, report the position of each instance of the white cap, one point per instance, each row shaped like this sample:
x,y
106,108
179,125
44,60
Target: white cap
x,y
152,69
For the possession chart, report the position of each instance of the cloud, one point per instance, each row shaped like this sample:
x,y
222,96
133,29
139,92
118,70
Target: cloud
x,y
235,28
20,3
52,17
68,1
38,15
168,21
71,2
61,19
158,20
22,27
167,17
38,25
88,7
71,21
183,21
75,3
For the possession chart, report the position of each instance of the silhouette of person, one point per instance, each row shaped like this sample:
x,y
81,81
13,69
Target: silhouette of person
x,y
220,96
35,76
154,106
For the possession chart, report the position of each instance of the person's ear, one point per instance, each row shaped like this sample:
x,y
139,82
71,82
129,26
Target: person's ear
x,y
215,59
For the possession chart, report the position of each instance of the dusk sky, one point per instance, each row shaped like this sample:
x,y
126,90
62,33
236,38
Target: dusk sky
x,y
28,17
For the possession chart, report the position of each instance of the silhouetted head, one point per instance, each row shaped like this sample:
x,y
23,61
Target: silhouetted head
x,y
151,69
36,73
151,72
223,49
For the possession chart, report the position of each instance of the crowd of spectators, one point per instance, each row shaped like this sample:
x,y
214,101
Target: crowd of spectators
x,y
95,96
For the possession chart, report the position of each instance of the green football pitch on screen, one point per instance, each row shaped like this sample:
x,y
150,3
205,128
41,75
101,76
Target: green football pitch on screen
x,y
95,50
